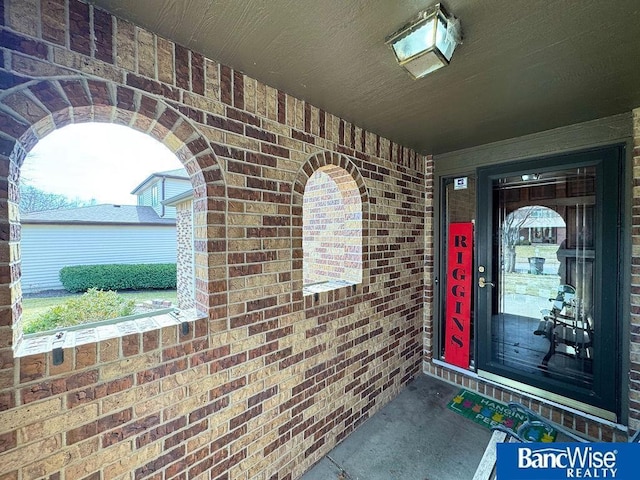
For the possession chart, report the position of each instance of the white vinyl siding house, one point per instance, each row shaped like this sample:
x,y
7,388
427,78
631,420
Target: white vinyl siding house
x,y
101,234
48,248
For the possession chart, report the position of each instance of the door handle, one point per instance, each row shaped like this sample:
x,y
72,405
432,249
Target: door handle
x,y
483,283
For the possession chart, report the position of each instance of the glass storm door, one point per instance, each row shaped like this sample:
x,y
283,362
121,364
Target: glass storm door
x,y
546,276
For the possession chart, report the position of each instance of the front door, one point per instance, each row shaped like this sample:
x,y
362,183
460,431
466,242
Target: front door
x,y
547,263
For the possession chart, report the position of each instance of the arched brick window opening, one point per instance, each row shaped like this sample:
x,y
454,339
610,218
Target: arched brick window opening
x,y
332,230
96,211
34,110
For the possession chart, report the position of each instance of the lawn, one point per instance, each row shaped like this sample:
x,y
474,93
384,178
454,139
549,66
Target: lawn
x,y
34,306
544,250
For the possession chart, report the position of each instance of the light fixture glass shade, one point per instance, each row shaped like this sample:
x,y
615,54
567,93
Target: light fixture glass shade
x,y
414,42
426,43
527,177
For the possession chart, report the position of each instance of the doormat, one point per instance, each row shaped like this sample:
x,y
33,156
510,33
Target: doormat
x,y
488,413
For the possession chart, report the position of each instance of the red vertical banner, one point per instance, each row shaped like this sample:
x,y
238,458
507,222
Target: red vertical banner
x,y
459,294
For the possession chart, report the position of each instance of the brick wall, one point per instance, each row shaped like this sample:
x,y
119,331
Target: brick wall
x,y
267,381
332,222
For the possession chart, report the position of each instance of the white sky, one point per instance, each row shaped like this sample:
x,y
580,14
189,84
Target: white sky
x,y
96,160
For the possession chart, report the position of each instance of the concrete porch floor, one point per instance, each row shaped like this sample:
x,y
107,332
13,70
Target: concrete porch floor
x,y
414,437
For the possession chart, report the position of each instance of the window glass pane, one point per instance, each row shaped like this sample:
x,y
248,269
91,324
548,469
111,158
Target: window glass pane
x,y
543,321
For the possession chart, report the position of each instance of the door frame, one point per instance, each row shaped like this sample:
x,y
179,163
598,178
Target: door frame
x,y
613,130
604,398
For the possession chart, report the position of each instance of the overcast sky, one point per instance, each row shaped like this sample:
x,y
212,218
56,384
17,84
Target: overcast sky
x,y
96,160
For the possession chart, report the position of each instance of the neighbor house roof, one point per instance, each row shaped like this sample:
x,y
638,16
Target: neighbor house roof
x,y
178,174
98,214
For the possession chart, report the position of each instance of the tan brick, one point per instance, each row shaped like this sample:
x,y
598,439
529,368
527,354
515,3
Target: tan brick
x,y
69,419
261,99
13,419
109,350
262,208
299,114
292,144
134,460
250,95
159,402
115,370
49,465
272,103
121,400
244,244
198,441
246,368
86,355
246,220
285,170
261,281
146,53
242,142
277,267
175,409
22,455
177,380
202,103
93,463
19,16
207,383
125,45
79,62
213,134
212,79
165,61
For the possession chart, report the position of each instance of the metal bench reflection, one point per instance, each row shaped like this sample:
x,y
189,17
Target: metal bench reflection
x,y
567,326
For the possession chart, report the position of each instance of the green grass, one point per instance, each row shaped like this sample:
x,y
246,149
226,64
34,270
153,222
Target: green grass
x,y
32,307
544,250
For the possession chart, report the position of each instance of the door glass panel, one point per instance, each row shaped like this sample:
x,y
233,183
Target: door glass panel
x,y
544,256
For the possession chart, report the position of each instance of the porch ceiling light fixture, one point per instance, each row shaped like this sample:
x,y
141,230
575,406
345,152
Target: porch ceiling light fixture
x,y
527,177
426,43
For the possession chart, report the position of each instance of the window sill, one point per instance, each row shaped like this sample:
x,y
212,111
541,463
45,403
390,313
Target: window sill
x,y
325,286
91,333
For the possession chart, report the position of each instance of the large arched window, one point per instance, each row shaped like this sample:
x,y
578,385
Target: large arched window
x,y
96,213
332,230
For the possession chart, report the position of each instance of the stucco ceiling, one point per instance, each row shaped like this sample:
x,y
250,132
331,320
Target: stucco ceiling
x,y
525,65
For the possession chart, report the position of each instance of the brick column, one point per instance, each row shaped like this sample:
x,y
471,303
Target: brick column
x,y
9,263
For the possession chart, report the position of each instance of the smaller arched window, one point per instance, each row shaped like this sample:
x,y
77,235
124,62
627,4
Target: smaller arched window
x,y
332,231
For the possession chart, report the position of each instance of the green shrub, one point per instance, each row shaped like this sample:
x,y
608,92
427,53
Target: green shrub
x,y
80,278
92,306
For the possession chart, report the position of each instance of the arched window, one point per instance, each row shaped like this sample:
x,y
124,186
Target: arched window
x,y
96,206
332,230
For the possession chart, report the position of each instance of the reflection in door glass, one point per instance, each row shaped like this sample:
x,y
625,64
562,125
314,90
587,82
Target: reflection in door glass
x,y
543,319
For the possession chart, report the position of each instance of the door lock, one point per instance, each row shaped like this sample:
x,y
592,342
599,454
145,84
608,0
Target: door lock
x,y
483,283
